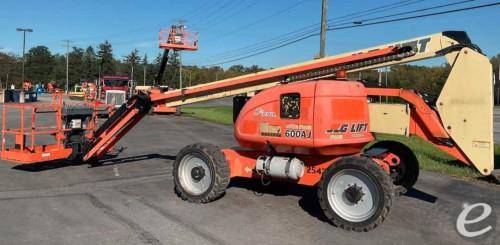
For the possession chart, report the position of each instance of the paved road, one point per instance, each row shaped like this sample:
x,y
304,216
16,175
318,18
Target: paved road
x,y
130,200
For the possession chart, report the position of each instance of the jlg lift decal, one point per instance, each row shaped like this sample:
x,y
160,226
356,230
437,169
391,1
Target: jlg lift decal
x,y
353,128
270,130
417,45
298,131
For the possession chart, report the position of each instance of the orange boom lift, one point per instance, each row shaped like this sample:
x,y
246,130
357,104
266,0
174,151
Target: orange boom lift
x,y
177,38
309,125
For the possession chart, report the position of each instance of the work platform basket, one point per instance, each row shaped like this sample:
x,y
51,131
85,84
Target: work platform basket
x,y
178,38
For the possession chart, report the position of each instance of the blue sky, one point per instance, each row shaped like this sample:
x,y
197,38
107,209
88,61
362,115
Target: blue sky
x,y
135,24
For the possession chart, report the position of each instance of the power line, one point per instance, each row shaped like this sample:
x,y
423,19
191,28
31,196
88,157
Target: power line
x,y
197,12
264,51
408,12
308,30
201,9
234,10
246,26
380,9
418,16
354,26
285,40
219,6
313,27
208,6
286,37
264,43
213,8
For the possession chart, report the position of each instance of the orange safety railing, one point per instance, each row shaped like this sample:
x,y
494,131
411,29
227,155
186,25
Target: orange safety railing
x,y
178,39
25,152
25,148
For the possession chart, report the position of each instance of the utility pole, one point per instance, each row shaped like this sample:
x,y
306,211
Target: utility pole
x,y
66,44
178,110
379,84
180,69
386,85
132,74
132,81
24,30
323,29
144,76
181,26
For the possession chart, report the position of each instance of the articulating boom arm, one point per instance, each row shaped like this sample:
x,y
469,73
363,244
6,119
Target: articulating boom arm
x,y
163,65
117,125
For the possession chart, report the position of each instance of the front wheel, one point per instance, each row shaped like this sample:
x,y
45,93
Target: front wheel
x,y
355,194
201,173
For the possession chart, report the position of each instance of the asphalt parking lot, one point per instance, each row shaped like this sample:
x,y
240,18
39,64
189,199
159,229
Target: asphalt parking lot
x,y
130,200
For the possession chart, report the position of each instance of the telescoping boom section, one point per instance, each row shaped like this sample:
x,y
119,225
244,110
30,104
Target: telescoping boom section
x,y
460,122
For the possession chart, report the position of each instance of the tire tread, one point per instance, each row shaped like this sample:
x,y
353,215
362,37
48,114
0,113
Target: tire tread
x,y
379,174
221,172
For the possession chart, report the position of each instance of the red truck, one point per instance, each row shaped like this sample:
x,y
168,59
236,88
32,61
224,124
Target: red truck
x,y
115,90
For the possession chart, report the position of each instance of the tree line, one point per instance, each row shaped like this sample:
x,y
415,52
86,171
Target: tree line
x,y
88,64
42,66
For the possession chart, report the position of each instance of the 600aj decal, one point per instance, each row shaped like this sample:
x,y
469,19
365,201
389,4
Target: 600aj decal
x,y
298,131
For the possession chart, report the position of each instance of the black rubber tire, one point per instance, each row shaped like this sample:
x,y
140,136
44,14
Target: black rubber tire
x,y
384,188
218,166
408,170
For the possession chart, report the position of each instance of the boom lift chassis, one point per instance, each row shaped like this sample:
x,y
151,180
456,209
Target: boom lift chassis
x,y
460,123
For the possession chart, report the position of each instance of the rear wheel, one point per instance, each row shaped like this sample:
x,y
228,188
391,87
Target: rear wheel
x,y
201,173
355,194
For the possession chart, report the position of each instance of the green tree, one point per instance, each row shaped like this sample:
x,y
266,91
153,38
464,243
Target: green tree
x,y
76,72
495,62
10,70
39,64
253,69
90,71
59,71
172,70
156,68
131,61
106,60
148,68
